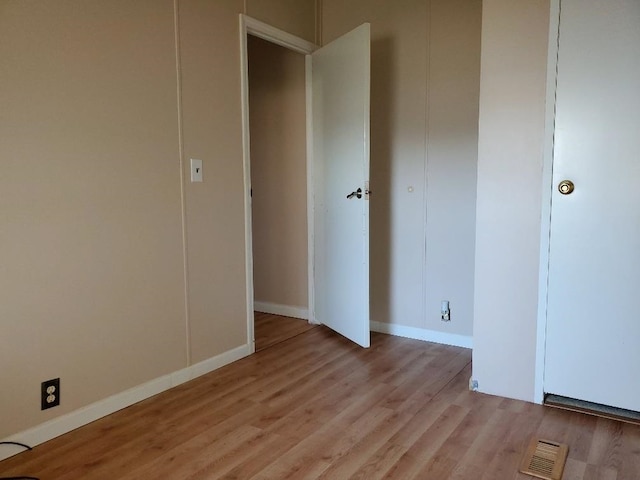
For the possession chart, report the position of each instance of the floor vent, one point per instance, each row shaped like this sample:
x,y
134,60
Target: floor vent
x,y
590,408
544,459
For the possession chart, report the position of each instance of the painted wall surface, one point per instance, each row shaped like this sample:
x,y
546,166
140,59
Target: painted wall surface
x,y
294,16
510,160
424,100
452,150
96,123
278,173
91,254
101,111
212,132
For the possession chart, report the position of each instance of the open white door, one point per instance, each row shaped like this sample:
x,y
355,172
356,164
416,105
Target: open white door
x,y
340,109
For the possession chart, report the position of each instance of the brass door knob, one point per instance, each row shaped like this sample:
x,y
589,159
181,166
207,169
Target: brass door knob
x,y
565,187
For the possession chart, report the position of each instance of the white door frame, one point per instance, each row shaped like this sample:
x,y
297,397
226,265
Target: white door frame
x,y
251,26
547,191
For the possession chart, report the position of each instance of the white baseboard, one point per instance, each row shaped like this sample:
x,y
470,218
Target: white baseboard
x,y
454,339
64,424
284,310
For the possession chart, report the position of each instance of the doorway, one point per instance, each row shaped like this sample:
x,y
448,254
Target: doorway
x,y
337,90
277,122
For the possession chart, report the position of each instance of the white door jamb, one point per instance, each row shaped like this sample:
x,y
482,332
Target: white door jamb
x,y
259,29
547,190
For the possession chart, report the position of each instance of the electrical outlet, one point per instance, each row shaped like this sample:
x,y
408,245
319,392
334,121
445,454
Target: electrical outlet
x,y
445,311
50,394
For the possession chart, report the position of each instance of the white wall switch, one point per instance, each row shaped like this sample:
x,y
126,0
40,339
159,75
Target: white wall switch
x,y
196,170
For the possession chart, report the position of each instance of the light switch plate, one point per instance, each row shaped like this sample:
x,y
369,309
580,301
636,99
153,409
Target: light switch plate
x,y
196,170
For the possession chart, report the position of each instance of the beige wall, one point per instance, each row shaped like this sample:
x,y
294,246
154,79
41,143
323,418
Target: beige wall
x,y
294,16
424,100
93,286
452,151
512,122
210,93
92,253
278,174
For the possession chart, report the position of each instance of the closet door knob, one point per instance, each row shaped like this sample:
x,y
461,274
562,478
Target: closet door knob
x,y
566,187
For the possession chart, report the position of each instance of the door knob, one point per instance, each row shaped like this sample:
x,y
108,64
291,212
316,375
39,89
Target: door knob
x,y
566,187
357,194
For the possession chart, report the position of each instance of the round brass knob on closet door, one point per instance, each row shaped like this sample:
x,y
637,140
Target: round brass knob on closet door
x,y
566,187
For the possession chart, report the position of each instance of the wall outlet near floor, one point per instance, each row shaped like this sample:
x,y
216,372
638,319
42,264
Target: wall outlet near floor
x,y
445,311
50,394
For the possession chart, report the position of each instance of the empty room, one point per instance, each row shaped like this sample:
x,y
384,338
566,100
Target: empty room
x,y
269,239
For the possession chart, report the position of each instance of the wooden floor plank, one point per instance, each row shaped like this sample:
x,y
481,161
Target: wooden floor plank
x,y
272,329
314,405
484,447
424,448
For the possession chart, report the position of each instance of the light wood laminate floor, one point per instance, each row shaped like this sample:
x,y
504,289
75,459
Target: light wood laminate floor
x,y
318,406
271,329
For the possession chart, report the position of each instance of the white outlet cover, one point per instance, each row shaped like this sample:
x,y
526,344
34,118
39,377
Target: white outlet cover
x,y
196,170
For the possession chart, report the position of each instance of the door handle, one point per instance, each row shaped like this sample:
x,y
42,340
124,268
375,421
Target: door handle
x,y
357,194
566,187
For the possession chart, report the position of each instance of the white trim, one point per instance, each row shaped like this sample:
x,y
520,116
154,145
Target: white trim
x,y
547,189
284,310
275,35
310,191
246,172
434,336
85,415
271,34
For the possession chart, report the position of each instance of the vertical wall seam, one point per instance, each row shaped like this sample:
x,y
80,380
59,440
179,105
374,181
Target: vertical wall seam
x,y
183,202
426,159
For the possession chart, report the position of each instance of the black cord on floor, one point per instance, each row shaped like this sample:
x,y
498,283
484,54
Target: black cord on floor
x,y
21,477
18,444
